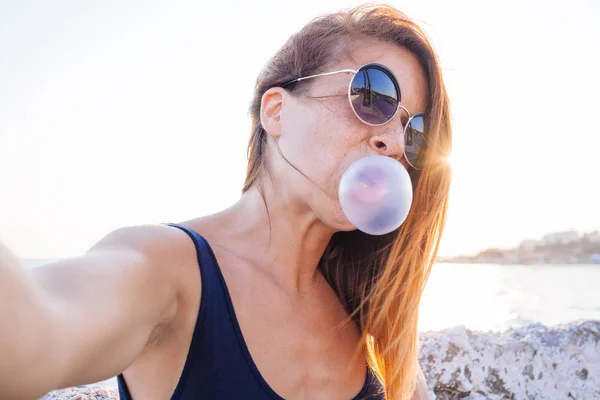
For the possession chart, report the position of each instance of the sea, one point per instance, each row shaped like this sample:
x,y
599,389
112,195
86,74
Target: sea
x,y
490,297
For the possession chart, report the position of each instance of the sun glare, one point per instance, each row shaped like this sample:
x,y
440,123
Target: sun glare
x,y
448,159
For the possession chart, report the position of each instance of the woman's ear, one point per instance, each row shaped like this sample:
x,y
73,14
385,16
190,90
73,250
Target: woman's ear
x,y
270,111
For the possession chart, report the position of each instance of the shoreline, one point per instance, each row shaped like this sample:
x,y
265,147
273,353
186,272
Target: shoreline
x,y
458,260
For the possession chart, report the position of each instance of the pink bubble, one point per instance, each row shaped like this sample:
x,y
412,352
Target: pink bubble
x,y
376,194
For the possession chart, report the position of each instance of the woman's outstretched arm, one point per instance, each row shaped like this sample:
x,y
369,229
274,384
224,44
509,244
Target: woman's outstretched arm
x,y
85,319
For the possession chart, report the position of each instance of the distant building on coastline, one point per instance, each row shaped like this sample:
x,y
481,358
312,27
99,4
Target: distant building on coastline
x,y
592,237
527,251
560,238
529,245
569,247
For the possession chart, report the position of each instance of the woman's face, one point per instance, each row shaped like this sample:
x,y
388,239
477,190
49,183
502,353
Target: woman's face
x,y
319,134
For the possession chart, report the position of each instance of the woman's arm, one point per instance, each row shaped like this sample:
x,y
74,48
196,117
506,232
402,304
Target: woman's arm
x,y
85,319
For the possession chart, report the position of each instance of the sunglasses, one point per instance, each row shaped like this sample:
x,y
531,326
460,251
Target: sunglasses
x,y
374,96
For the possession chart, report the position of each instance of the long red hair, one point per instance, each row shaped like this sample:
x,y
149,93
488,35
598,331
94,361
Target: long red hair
x,y
380,280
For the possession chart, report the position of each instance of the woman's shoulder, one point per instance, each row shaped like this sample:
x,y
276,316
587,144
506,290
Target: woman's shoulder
x,y
154,241
168,253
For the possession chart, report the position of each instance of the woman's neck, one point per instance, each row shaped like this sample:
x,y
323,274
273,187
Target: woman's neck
x,y
287,241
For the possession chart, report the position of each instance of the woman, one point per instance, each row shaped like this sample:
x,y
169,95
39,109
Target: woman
x,y
280,297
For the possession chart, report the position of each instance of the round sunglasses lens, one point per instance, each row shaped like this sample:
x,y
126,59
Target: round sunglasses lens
x,y
414,140
374,96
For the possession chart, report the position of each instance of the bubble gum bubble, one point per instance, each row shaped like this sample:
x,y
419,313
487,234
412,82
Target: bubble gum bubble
x,y
376,194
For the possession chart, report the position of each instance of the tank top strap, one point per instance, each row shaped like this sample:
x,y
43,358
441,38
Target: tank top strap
x,y
211,292
213,289
206,258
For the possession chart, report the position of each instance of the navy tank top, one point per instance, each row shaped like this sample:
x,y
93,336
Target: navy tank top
x,y
219,364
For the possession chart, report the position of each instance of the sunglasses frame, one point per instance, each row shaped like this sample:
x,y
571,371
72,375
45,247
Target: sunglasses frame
x,y
381,68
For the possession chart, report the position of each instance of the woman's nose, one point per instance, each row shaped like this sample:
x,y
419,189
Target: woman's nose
x,y
390,144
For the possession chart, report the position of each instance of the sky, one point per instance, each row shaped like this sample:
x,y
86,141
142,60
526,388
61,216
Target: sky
x,y
136,112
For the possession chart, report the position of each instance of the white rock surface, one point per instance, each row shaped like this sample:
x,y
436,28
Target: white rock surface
x,y
535,362
83,393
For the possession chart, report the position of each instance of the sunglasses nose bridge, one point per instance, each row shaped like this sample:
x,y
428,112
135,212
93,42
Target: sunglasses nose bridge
x,y
403,115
